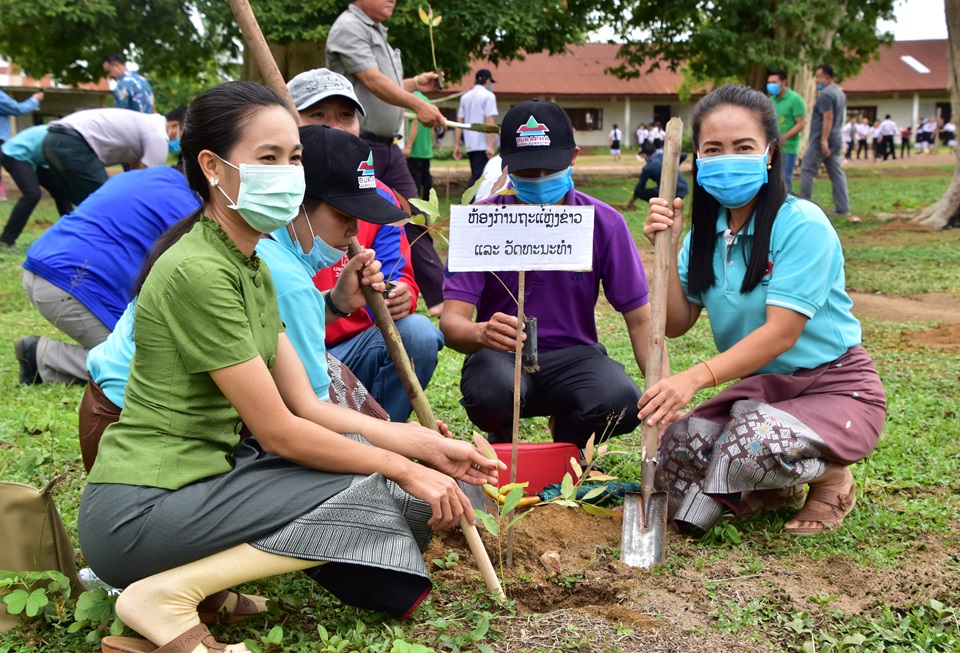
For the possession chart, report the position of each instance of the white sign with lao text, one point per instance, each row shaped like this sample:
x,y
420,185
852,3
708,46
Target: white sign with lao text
x,y
520,237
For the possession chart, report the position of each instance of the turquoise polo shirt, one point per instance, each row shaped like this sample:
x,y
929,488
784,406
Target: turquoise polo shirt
x,y
804,274
27,146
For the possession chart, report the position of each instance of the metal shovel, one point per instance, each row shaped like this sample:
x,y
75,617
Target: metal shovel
x,y
645,514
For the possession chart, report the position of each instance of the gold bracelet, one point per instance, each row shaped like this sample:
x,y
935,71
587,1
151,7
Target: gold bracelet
x,y
712,373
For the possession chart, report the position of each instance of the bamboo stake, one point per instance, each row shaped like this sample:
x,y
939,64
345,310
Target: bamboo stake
x,y
514,450
658,305
254,39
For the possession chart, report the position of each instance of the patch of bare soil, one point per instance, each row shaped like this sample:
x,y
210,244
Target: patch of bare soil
x,y
604,604
930,307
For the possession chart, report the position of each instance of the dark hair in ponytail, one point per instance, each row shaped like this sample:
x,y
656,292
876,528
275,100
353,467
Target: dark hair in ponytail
x,y
706,209
214,121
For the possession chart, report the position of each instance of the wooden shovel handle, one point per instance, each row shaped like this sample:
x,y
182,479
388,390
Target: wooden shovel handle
x,y
254,39
656,349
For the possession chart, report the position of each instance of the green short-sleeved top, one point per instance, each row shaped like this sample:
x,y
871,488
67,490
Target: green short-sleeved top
x,y
204,306
789,108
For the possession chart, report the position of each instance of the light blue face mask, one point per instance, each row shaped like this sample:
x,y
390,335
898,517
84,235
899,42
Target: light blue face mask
x,y
819,87
773,89
270,195
543,190
320,256
174,146
732,179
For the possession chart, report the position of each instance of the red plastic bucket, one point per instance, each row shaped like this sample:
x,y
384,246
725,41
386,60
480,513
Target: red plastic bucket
x,y
539,463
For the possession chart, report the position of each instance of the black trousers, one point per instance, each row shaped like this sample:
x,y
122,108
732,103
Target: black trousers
x,y
889,149
478,161
646,194
74,163
862,147
584,389
29,181
420,171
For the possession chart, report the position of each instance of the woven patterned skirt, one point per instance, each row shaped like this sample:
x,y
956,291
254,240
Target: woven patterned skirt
x,y
370,533
770,431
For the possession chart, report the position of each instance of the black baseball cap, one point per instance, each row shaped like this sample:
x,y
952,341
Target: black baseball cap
x,y
484,76
338,168
536,134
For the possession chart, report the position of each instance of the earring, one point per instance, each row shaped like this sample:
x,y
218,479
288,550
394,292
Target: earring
x,y
769,166
214,183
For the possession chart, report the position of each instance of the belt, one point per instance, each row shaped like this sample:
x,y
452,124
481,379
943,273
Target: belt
x,y
370,136
63,129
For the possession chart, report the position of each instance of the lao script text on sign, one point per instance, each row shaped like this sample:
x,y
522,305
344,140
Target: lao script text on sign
x,y
520,237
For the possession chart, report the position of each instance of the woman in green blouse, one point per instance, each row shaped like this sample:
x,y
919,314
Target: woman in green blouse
x,y
180,506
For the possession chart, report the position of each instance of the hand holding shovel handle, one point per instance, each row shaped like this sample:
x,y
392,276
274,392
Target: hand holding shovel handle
x,y
656,348
254,39
643,542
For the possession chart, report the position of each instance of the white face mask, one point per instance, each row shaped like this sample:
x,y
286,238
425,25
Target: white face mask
x,y
269,196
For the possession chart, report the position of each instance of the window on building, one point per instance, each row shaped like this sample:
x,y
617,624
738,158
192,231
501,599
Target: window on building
x,y
587,120
870,113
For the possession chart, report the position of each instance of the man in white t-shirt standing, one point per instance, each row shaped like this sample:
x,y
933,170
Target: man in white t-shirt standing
x,y
478,105
888,129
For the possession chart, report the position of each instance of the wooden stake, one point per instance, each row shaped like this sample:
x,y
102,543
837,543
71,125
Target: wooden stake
x,y
514,449
254,39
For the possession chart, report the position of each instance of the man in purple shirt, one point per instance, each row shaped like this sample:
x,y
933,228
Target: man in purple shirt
x,y
583,390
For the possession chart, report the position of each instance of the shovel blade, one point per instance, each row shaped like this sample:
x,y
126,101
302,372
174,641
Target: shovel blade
x,y
644,530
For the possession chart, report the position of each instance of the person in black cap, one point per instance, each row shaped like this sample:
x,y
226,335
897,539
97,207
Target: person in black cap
x,y
312,478
583,390
324,97
478,105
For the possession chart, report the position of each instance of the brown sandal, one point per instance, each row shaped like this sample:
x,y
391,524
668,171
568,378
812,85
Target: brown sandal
x,y
839,506
211,608
759,500
182,644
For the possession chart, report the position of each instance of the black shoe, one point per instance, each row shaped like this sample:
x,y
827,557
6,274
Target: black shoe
x,y
26,350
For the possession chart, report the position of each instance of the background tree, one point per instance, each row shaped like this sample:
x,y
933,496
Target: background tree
x,y
946,212
492,29
68,40
176,40
742,39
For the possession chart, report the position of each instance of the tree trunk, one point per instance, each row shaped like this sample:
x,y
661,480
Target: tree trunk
x,y
292,59
757,77
946,212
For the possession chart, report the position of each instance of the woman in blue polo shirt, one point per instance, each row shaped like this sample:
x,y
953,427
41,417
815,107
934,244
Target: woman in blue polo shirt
x,y
768,267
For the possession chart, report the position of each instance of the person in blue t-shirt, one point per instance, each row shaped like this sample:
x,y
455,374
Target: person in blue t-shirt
x,y
768,268
79,273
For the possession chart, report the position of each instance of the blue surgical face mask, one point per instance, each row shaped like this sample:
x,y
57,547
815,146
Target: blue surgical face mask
x,y
543,190
733,179
269,196
819,87
174,146
320,256
773,89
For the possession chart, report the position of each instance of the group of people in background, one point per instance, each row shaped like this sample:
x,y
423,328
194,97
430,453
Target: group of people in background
x,y
882,137
229,355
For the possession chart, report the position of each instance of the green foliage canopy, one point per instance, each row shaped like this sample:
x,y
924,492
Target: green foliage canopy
x,y
67,39
727,39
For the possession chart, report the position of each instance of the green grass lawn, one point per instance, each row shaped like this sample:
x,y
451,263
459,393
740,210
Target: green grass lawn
x,y
910,486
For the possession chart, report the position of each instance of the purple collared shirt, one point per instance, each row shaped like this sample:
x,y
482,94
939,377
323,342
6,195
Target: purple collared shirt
x,y
563,302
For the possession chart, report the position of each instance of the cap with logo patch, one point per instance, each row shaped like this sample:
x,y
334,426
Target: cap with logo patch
x,y
536,134
338,168
312,86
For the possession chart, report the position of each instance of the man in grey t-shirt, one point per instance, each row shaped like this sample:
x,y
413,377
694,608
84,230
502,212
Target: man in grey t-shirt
x,y
826,143
357,48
